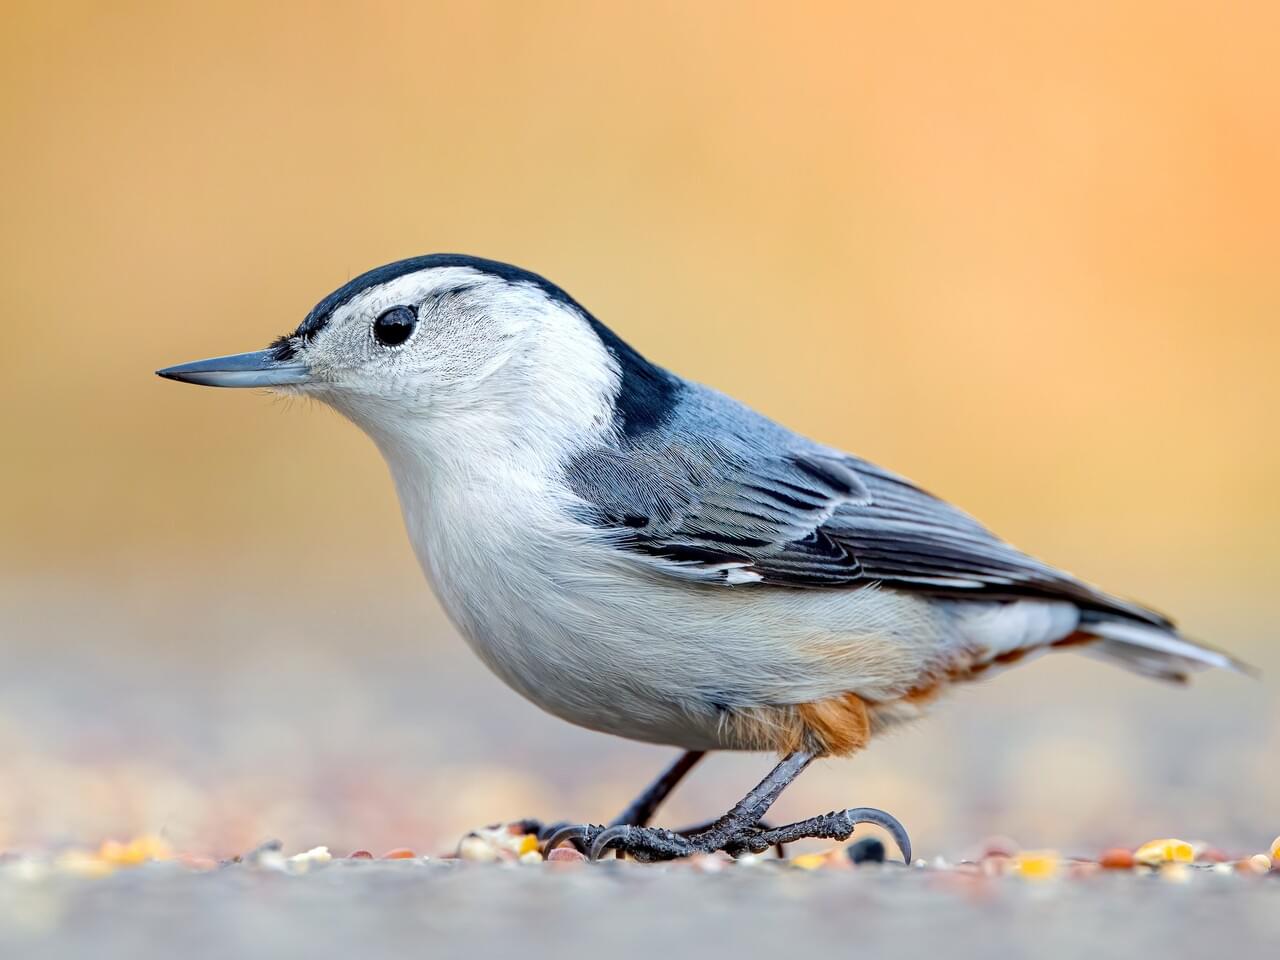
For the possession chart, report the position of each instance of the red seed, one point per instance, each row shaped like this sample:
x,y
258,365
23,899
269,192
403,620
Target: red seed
x,y
399,853
1117,858
999,847
360,855
565,854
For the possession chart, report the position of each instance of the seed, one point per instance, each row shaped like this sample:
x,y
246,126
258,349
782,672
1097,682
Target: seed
x,y
399,853
136,851
1258,863
314,855
477,849
866,850
361,855
1155,852
1037,864
809,861
1117,858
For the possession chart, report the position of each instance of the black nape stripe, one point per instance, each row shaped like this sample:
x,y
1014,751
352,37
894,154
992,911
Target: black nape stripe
x,y
648,394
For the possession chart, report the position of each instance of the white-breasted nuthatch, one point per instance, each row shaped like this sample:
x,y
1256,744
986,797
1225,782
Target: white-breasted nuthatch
x,y
647,557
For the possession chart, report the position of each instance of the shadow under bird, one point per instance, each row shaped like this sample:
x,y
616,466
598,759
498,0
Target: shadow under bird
x,y
647,557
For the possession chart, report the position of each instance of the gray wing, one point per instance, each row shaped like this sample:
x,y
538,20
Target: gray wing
x,y
807,517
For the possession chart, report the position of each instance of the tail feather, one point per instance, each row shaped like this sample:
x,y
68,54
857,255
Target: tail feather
x,y
1153,651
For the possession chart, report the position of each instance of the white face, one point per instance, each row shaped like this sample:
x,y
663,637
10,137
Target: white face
x,y
459,357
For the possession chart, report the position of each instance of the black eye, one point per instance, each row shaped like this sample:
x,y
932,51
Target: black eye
x,y
393,326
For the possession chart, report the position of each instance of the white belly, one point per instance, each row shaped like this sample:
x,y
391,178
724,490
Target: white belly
x,y
598,639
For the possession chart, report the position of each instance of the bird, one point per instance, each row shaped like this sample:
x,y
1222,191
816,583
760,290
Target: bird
x,y
645,556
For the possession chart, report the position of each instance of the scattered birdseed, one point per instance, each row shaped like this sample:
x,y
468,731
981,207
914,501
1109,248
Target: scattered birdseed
x,y
1172,860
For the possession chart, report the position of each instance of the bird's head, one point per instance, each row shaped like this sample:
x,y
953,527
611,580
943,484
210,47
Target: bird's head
x,y
449,349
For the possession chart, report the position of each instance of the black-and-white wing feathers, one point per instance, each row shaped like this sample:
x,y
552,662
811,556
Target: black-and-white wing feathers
x,y
804,517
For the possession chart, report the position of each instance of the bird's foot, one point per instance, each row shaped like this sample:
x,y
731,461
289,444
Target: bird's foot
x,y
650,844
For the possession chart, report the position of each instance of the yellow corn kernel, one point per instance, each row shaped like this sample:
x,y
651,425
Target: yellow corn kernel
x,y
1275,850
1168,850
528,844
136,851
810,861
1037,864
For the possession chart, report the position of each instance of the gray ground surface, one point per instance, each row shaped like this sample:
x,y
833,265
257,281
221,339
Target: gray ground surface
x,y
376,909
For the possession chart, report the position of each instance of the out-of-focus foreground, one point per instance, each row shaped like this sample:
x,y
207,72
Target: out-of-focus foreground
x,y
1025,256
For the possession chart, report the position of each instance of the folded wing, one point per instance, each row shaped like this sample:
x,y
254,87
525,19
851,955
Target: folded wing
x,y
806,517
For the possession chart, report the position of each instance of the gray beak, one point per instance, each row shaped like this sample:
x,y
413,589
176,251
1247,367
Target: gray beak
x,y
257,369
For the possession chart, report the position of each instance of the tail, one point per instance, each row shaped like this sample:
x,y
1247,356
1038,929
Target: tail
x,y
1151,650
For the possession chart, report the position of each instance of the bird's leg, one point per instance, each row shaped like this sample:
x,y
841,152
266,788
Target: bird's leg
x,y
649,843
641,810
739,830
638,813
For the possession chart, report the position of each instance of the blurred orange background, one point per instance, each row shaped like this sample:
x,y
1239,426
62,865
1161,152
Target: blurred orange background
x,y
1025,254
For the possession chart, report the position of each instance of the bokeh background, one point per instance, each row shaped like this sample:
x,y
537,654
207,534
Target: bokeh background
x,y
1023,253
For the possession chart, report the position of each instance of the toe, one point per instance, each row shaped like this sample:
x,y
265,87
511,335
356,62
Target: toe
x,y
619,835
579,835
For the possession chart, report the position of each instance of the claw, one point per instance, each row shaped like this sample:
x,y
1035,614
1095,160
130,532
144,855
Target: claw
x,y
571,833
607,838
885,820
548,830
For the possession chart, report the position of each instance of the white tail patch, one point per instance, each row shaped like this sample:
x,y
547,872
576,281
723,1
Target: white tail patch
x,y
1154,652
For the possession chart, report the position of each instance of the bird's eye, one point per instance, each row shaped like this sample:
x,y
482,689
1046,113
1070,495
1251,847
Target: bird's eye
x,y
393,327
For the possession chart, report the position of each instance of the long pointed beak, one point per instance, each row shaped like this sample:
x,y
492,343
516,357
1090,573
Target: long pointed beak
x,y
257,369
